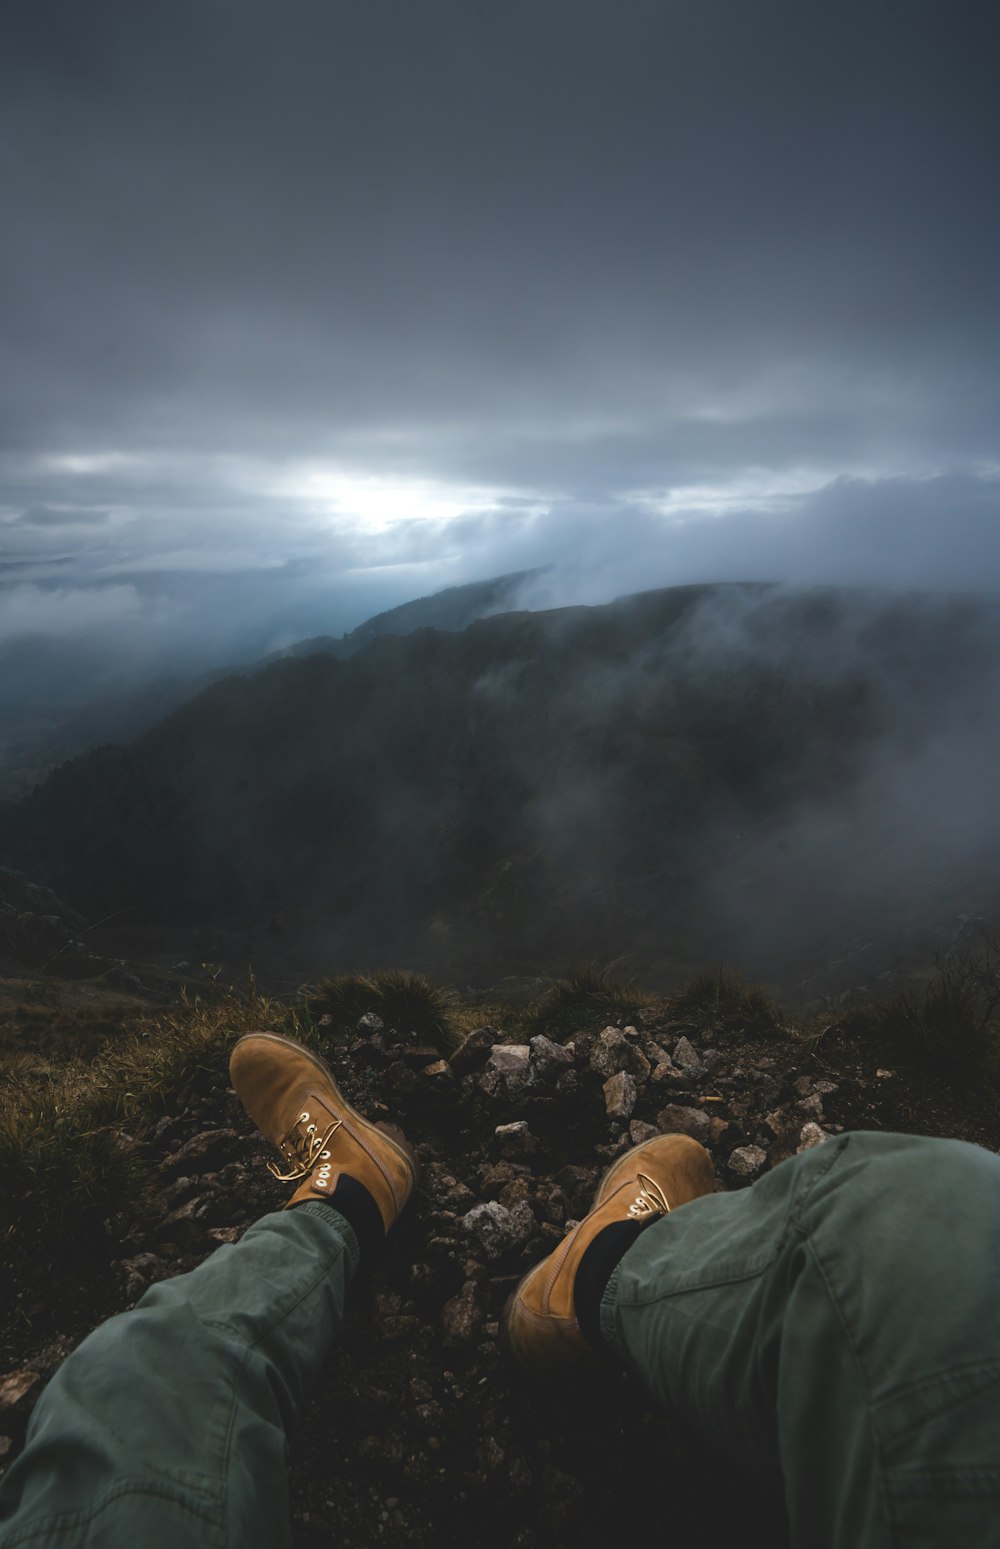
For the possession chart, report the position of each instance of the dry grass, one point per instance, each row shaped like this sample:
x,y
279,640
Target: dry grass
x,y
70,1133
723,999
52,1016
591,994
950,1024
405,1001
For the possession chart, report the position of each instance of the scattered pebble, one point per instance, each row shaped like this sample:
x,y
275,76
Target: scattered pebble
x,y
748,1161
677,1120
620,1095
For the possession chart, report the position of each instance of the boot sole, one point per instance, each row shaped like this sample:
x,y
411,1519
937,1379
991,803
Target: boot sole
x,y
398,1141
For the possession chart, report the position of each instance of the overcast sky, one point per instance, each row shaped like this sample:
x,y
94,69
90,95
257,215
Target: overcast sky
x,y
311,306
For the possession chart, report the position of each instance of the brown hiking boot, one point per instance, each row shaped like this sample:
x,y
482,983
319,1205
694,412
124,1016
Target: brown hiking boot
x,y
291,1095
540,1320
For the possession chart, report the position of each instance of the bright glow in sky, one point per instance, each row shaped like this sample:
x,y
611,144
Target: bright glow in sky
x,y
375,503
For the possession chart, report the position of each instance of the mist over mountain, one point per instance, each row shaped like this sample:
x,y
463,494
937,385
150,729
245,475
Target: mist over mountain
x,y
59,699
455,607
799,779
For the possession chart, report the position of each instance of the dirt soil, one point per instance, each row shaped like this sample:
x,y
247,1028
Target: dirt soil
x,y
421,1431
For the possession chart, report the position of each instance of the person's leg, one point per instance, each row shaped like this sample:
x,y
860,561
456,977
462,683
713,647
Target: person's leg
x,y
167,1425
553,1317
836,1325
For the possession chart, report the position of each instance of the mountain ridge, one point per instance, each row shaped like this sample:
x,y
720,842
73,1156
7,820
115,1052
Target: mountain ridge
x,y
546,786
46,725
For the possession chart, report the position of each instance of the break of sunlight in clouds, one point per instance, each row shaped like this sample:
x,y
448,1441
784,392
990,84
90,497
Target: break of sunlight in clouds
x,y
310,310
372,502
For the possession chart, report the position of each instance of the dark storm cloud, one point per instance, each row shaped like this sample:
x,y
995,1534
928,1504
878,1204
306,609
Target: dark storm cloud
x,y
337,304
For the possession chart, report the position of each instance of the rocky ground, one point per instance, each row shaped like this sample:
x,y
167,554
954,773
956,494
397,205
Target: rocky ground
x,y
421,1431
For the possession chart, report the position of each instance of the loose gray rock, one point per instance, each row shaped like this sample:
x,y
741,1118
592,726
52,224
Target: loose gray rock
x,y
748,1161
205,1152
639,1131
522,1223
139,1273
463,1315
489,1225
15,1385
370,1023
496,1229
438,1072
612,1052
638,1066
686,1059
548,1058
620,1095
473,1052
666,1073
511,1061
514,1140
186,1227
675,1119
811,1136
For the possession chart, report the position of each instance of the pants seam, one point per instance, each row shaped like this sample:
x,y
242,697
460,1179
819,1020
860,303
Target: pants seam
x,y
883,1495
63,1521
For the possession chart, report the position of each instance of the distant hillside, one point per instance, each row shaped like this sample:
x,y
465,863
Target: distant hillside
x,y
50,711
454,608
801,779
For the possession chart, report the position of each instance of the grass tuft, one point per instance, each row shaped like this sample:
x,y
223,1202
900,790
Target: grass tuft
x,y
950,1024
407,1002
724,999
589,995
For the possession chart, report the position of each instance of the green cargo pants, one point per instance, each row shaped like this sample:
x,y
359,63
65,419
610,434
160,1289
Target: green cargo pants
x,y
836,1326
168,1425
